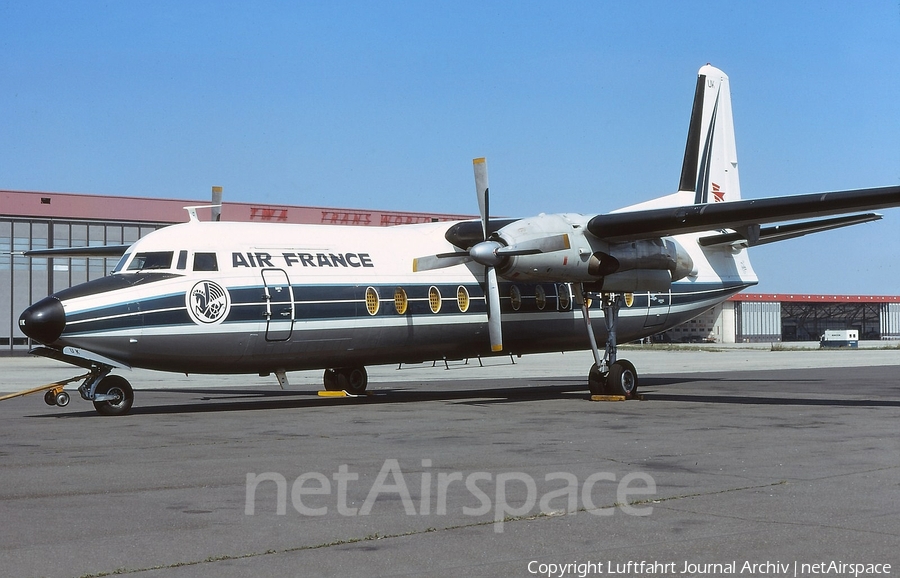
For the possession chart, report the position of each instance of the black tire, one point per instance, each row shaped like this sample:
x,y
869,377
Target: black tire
x,y
62,399
353,379
49,398
622,379
596,381
120,388
330,380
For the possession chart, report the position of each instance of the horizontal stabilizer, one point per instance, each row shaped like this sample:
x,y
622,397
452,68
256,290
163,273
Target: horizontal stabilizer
x,y
635,225
784,232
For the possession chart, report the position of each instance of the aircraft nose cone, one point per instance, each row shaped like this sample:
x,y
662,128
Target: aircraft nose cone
x,y
44,321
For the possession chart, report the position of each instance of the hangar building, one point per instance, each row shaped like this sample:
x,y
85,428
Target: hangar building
x,y
777,317
35,220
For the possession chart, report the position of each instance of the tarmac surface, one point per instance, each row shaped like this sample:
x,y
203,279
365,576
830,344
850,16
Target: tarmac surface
x,y
735,458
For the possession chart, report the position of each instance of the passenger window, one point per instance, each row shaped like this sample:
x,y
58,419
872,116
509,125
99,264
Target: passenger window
x,y
205,262
182,260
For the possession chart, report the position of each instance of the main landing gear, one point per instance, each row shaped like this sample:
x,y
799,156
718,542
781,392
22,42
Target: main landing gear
x,y
608,375
353,379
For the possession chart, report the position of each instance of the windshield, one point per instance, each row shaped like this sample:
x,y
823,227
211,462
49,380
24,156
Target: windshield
x,y
151,260
122,262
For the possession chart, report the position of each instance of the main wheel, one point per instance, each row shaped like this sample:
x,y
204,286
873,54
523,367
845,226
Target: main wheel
x,y
622,379
330,380
353,379
49,398
120,389
596,381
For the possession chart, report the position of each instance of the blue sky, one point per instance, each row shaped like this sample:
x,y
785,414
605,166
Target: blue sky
x,y
579,106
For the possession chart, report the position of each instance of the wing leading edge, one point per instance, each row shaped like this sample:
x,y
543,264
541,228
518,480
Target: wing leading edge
x,y
745,216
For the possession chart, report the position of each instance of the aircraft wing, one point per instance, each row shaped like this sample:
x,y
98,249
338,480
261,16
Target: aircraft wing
x,y
743,216
790,231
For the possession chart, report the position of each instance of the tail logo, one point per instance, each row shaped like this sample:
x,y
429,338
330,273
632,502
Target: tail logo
x,y
718,193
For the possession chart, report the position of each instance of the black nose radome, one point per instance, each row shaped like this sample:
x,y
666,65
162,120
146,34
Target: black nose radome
x,y
44,321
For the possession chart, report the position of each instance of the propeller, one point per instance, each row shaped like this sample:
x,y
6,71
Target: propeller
x,y
491,253
485,253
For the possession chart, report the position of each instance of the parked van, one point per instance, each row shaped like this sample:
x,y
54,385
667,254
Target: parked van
x,y
840,338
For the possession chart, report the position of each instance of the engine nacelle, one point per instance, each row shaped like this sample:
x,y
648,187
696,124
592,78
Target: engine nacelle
x,y
647,254
566,265
644,265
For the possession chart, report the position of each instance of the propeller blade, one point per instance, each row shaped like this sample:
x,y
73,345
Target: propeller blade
x,y
481,189
493,289
439,261
534,246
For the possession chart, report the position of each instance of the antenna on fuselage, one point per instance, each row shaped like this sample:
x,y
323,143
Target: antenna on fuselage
x,y
192,211
216,206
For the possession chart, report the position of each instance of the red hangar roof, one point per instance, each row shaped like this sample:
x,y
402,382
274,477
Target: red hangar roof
x,y
116,208
807,298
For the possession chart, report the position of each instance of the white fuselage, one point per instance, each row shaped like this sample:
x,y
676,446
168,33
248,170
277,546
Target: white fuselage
x,y
225,297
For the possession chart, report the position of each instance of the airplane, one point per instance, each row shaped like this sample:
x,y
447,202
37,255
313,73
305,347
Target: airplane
x,y
215,297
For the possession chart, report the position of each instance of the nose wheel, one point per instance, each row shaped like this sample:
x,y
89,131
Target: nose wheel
x,y
113,396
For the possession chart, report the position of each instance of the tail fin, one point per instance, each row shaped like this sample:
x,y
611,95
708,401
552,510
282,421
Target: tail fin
x,y
710,168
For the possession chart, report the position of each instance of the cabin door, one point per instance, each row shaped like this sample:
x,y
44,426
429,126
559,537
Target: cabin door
x,y
279,305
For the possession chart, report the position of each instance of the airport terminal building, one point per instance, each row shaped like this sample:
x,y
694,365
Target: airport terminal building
x,y
35,220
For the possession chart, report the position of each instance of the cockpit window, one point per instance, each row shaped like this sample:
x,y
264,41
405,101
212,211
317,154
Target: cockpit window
x,y
151,260
122,262
205,262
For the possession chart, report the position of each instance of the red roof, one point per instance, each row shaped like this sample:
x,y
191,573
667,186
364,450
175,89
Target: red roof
x,y
109,208
807,298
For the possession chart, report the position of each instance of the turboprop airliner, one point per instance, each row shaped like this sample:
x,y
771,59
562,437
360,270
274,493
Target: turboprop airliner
x,y
227,297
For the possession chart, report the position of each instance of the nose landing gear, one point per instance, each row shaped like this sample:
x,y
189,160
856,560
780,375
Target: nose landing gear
x,y
113,395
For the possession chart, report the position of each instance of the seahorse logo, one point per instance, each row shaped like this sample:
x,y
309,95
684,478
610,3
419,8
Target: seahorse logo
x,y
208,303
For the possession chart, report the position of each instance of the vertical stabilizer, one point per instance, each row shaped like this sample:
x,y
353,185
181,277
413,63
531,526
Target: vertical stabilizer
x,y
710,168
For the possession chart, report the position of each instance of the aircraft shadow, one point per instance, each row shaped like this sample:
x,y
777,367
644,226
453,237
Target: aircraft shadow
x,y
759,400
207,400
